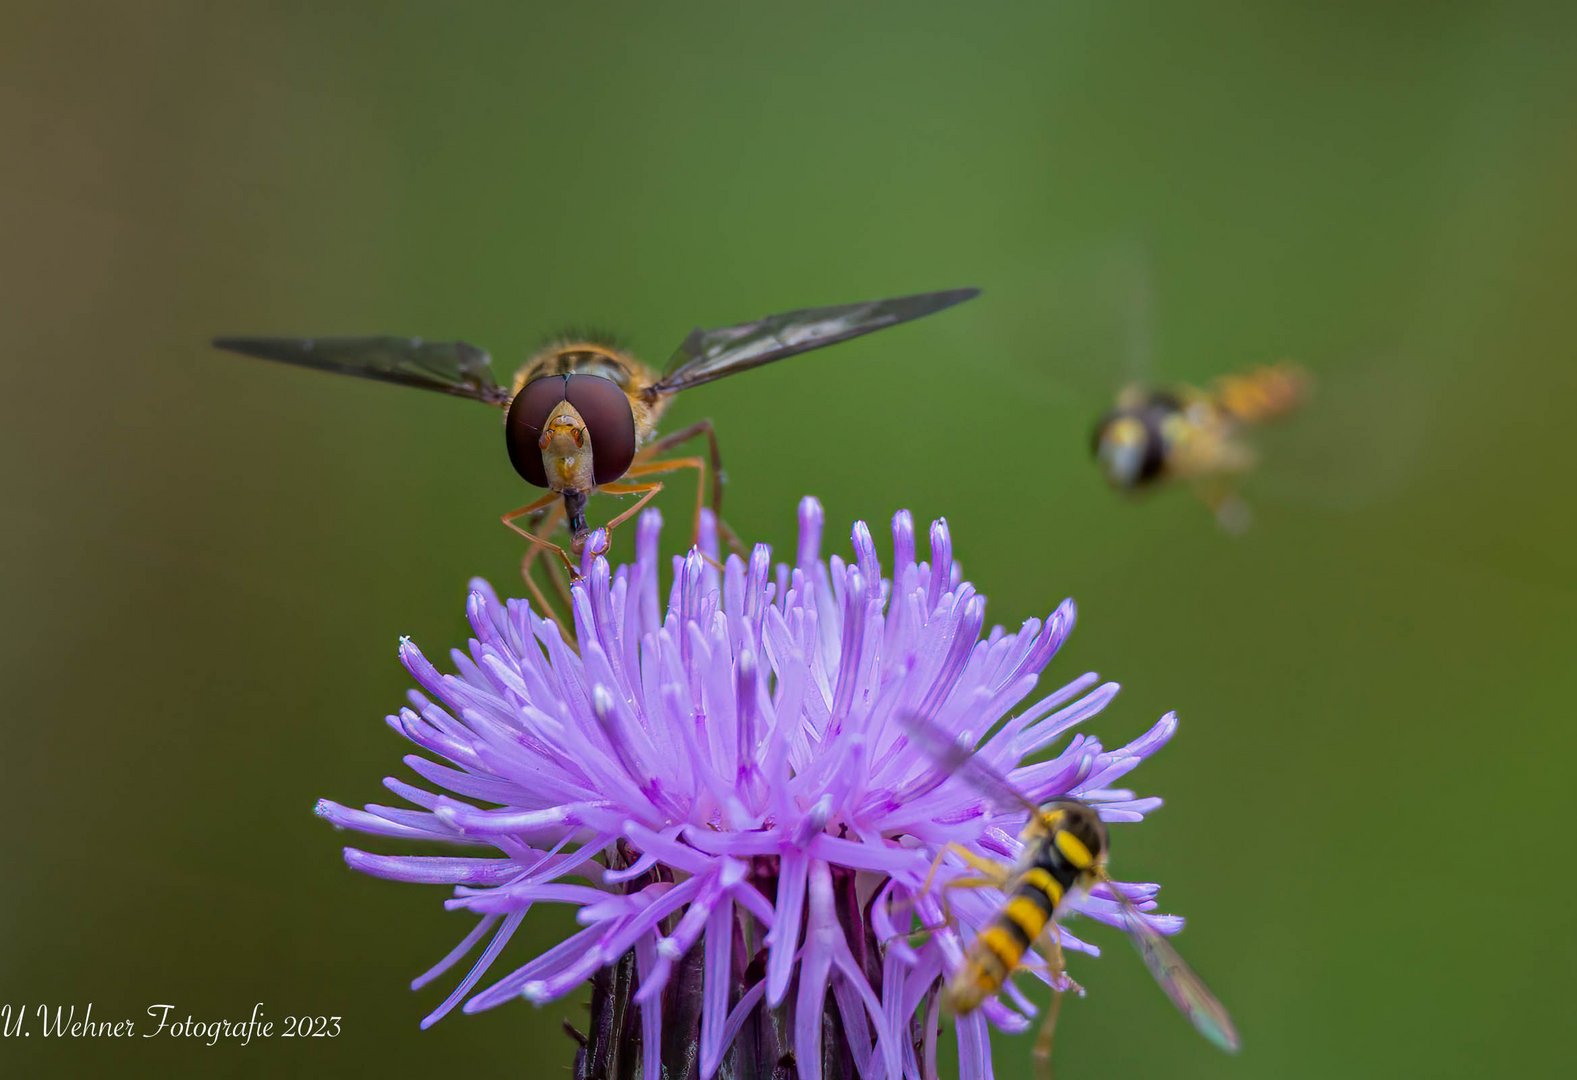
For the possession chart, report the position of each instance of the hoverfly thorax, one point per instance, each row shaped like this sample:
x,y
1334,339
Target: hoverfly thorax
x,y
1077,832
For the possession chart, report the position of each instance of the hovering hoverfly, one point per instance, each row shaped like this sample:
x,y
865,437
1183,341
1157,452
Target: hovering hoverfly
x,y
1190,434
1063,857
580,415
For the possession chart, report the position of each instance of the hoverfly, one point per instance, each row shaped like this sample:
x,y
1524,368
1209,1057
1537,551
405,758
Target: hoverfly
x,y
1063,857
580,415
1191,434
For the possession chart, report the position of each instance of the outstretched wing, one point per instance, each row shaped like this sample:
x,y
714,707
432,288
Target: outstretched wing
x,y
710,354
450,367
1186,989
960,760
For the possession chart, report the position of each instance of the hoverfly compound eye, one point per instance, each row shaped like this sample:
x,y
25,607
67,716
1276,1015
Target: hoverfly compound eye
x,y
1131,448
604,409
523,426
1099,434
604,406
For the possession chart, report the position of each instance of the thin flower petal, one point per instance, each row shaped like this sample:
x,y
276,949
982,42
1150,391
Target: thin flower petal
x,y
715,771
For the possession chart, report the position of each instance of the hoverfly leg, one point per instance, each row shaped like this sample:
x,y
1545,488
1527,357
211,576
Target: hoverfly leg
x,y
537,538
715,459
684,435
1048,1026
646,492
668,465
948,918
1047,1034
989,875
544,527
730,537
997,873
530,508
1232,514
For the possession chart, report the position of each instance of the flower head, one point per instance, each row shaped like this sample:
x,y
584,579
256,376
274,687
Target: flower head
x,y
724,786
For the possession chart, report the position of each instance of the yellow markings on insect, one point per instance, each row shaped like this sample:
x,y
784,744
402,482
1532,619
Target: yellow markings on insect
x,y
1073,849
1000,942
1029,916
1039,877
1126,431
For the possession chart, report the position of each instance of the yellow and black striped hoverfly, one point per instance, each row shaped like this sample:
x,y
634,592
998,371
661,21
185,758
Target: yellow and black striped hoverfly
x,y
581,415
1063,858
1191,434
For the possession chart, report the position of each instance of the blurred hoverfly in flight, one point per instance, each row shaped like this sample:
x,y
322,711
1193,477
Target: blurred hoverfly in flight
x,y
1193,435
1063,857
581,415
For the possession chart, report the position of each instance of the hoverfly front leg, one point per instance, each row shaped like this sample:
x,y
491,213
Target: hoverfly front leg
x,y
542,528
668,465
1058,980
715,456
537,538
646,492
684,435
532,508
988,875
1232,514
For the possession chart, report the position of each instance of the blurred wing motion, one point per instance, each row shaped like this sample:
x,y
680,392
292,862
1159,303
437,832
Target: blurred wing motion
x,y
710,354
957,759
1187,990
450,367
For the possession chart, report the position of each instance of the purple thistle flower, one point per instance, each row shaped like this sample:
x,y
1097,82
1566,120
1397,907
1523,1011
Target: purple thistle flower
x,y
724,787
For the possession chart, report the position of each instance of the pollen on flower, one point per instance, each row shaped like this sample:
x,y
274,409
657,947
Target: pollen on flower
x,y
715,771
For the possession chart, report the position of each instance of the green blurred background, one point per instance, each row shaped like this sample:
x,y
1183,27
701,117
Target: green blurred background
x,y
208,561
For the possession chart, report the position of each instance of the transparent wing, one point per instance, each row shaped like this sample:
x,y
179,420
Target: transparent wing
x,y
960,760
1364,436
710,354
450,367
1132,272
1186,989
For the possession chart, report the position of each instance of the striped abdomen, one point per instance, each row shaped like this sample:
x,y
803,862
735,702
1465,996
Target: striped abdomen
x,y
1059,864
